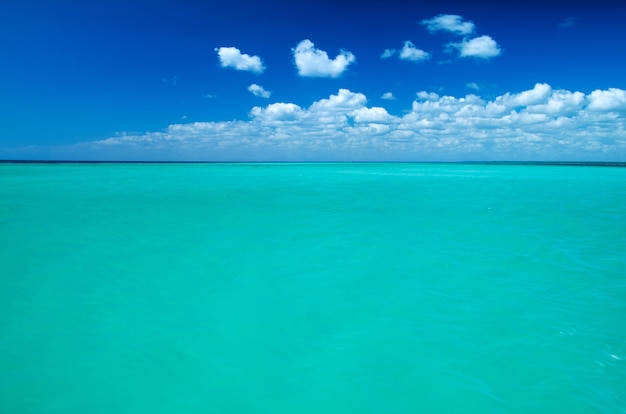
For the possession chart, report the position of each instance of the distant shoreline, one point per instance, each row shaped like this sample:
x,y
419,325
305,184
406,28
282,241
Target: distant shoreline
x,y
547,163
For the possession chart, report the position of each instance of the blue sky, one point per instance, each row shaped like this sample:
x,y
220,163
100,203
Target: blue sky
x,y
312,80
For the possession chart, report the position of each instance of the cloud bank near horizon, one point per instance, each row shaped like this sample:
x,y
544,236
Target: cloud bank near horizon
x,y
531,124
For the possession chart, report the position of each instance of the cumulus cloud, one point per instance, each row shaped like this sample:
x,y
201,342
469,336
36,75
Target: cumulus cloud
x,y
259,91
231,57
450,23
375,115
540,123
313,62
480,47
337,108
537,95
608,100
277,112
388,96
408,52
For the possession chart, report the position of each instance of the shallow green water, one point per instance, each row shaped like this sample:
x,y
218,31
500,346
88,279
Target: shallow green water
x,y
310,288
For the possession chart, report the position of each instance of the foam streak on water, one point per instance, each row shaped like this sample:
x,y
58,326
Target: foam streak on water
x,y
309,288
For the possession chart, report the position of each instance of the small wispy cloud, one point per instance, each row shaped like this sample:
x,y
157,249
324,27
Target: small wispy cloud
x,y
313,62
388,53
172,81
473,85
259,91
449,23
388,96
569,22
231,57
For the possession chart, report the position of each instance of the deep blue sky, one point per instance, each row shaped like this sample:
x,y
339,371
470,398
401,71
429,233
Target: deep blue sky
x,y
147,76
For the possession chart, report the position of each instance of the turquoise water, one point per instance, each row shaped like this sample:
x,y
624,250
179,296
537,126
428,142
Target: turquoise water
x,y
312,288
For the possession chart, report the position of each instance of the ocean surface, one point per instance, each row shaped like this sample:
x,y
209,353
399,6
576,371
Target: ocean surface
x,y
312,288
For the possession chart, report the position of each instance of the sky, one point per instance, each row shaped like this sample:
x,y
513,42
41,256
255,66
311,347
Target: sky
x,y
324,80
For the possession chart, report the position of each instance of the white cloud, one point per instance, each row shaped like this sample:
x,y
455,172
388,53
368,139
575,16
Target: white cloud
x,y
473,85
449,23
369,115
277,112
539,94
259,91
537,124
609,100
410,52
231,57
388,96
560,103
481,47
314,62
335,109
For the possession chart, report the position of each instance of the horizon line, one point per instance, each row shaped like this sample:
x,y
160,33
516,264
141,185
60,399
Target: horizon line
x,y
500,162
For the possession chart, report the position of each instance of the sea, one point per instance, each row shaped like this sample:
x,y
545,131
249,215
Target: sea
x,y
312,288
